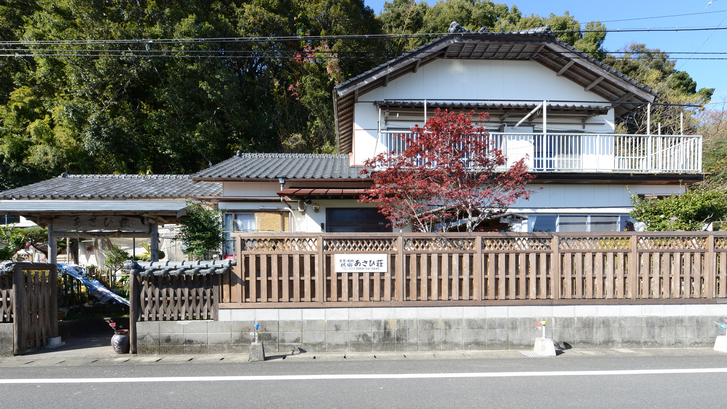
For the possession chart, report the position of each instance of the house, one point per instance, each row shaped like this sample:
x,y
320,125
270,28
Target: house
x,y
546,101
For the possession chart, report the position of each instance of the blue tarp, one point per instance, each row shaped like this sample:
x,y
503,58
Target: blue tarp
x,y
94,286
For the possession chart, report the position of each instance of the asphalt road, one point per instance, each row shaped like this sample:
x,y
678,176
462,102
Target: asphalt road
x,y
606,378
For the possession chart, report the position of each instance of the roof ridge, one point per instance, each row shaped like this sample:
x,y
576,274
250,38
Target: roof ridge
x,y
122,176
288,155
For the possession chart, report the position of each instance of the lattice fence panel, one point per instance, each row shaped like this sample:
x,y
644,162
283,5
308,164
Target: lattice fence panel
x,y
359,245
439,244
279,244
594,243
516,243
672,243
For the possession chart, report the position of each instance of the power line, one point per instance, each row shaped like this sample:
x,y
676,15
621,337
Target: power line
x,y
312,56
332,37
657,17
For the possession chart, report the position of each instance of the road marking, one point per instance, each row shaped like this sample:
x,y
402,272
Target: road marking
x,y
365,376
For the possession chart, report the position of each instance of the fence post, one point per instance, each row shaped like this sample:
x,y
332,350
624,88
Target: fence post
x,y
53,287
134,299
555,262
321,273
20,340
633,274
215,297
710,275
479,273
400,282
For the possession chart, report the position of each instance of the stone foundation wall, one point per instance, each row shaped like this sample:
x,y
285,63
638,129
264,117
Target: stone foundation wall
x,y
437,328
6,340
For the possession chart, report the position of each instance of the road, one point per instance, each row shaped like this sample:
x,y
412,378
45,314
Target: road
x,y
676,378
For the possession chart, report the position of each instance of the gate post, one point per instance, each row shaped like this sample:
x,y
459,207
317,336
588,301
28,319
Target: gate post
x,y
53,314
134,298
20,341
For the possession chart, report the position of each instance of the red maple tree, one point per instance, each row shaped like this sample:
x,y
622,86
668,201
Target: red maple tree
x,y
450,175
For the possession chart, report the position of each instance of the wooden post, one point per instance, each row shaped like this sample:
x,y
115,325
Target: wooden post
x,y
401,263
154,245
20,340
53,287
633,274
555,263
321,272
710,269
134,300
52,245
215,297
478,268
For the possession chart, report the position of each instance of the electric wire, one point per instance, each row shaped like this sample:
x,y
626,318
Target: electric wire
x,y
258,39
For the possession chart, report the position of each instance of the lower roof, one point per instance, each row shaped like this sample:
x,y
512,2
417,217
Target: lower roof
x,y
125,207
80,187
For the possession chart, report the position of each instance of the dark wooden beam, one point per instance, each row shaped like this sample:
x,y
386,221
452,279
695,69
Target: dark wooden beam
x,y
536,51
565,67
594,83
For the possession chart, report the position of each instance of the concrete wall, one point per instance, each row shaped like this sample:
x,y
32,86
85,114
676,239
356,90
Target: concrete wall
x,y
6,340
434,328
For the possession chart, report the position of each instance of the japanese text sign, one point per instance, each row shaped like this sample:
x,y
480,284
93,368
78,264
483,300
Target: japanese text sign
x,y
360,263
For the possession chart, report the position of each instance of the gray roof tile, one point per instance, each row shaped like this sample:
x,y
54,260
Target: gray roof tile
x,y
292,166
115,187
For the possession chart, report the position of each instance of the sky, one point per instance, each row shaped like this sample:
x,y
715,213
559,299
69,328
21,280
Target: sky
x,y
707,73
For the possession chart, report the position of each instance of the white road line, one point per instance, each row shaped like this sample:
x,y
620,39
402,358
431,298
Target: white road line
x,y
364,376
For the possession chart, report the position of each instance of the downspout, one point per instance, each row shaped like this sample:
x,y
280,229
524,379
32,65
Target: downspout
x,y
648,137
425,113
287,207
378,132
545,130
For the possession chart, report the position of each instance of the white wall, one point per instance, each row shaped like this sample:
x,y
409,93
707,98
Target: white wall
x,y
586,198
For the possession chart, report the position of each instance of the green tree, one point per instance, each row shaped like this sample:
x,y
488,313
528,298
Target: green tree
x,y
201,231
146,104
654,69
115,257
693,210
712,125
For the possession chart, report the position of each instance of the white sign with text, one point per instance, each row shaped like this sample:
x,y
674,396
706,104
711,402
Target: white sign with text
x,y
361,263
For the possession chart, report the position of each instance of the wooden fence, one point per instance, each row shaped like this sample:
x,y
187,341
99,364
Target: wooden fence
x,y
175,297
296,270
28,299
6,300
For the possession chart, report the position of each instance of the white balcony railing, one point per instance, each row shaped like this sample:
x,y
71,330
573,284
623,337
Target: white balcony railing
x,y
559,152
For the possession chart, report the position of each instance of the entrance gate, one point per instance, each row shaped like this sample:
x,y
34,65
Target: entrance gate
x,y
28,299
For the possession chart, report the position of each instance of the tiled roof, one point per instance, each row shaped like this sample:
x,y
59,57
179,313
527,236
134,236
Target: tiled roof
x,y
164,268
540,31
115,187
291,166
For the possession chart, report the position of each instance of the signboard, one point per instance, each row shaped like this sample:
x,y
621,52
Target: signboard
x,y
100,223
361,263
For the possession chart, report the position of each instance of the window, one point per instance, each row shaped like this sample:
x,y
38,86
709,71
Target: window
x,y
567,223
9,219
356,220
253,222
545,222
572,223
606,223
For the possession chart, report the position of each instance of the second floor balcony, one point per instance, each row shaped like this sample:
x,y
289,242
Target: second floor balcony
x,y
586,152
